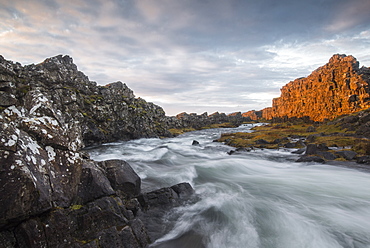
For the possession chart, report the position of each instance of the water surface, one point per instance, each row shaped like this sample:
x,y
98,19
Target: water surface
x,y
253,199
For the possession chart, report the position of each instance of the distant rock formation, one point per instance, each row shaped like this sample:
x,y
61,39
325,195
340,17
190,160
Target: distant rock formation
x,y
253,115
52,194
185,120
337,88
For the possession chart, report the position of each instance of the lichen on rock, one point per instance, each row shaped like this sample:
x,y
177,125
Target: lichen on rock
x,y
48,113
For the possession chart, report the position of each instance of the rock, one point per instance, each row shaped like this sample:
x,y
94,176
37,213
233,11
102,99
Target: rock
x,y
322,147
195,143
299,151
243,149
7,99
311,149
300,144
276,141
155,205
327,155
93,183
183,190
122,177
348,155
165,197
337,88
314,149
52,194
363,160
311,129
261,142
185,120
289,145
253,115
311,138
231,152
316,159
101,223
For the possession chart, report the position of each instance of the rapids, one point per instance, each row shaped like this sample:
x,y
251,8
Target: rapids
x,y
252,199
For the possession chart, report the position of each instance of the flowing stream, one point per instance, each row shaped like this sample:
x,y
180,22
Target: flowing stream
x,y
252,199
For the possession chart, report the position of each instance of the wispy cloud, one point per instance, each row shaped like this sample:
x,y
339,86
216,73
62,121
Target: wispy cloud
x,y
192,56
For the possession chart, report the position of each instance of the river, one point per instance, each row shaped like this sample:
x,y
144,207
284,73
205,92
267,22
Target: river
x,y
252,199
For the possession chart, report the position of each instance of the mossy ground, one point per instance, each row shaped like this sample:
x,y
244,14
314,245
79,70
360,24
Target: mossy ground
x,y
178,131
276,134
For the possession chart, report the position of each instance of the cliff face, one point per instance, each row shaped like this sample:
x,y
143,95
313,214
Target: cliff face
x,y
59,90
253,115
52,194
337,88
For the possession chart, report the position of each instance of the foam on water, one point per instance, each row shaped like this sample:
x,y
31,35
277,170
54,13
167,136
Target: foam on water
x,y
252,199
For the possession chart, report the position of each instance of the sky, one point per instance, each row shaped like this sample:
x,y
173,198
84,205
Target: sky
x,y
190,56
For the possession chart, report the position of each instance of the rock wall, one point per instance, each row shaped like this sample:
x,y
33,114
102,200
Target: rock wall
x,y
337,88
185,120
253,115
52,194
57,89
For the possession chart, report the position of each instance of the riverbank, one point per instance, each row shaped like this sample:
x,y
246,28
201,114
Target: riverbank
x,y
317,142
256,199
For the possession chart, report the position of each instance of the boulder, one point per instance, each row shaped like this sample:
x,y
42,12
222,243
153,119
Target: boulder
x,y
261,142
311,149
348,155
363,160
155,205
122,177
327,155
299,151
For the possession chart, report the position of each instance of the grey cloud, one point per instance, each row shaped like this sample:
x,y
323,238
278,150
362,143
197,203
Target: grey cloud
x,y
197,55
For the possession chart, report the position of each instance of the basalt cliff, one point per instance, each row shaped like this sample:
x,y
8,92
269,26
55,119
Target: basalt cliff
x,y
52,194
337,88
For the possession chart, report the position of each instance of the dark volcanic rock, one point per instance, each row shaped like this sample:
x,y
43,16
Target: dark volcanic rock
x,y
52,194
122,177
316,159
327,155
363,160
155,205
348,155
185,120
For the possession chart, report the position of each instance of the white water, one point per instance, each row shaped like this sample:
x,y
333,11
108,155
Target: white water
x,y
253,199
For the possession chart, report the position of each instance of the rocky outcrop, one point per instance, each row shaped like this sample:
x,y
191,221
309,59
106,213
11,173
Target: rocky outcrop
x,y
185,120
337,88
253,115
57,89
52,194
358,123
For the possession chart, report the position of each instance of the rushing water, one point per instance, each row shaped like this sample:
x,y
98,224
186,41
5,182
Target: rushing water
x,y
252,199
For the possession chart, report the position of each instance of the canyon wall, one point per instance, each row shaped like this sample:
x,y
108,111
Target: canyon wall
x,y
337,88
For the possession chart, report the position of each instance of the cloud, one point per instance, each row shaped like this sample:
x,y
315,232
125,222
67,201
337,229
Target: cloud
x,y
191,55
348,15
